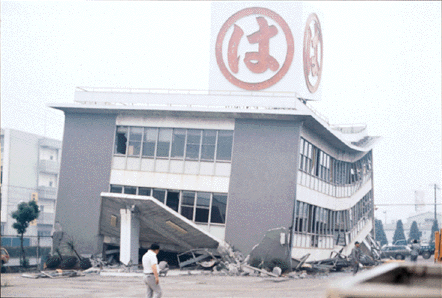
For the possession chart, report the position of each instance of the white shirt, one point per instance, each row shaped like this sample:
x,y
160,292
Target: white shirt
x,y
149,259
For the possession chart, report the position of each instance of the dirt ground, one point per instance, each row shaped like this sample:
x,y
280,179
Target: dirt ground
x,y
172,286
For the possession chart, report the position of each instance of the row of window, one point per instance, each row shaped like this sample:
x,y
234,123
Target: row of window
x,y
175,143
317,221
315,162
200,207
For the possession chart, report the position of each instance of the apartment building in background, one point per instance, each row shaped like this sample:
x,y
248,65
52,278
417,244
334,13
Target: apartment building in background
x,y
29,171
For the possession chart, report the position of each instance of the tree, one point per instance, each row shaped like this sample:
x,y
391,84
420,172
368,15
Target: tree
x,y
434,229
415,234
25,213
399,232
380,233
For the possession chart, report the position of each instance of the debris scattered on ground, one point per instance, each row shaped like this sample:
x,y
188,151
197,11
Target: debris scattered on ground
x,y
54,274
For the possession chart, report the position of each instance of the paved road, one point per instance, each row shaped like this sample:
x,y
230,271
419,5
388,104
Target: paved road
x,y
173,286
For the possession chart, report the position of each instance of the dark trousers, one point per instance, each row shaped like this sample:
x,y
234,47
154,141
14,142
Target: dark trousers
x,y
355,267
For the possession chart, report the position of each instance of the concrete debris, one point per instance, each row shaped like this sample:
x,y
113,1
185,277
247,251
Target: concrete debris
x,y
54,274
277,271
164,268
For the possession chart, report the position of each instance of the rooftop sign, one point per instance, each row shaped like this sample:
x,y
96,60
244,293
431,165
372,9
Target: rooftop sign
x,y
266,46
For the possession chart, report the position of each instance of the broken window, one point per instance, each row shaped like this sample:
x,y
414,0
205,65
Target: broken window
x,y
178,142
187,204
193,144
135,136
173,199
164,140
208,145
149,141
202,207
219,206
224,147
121,140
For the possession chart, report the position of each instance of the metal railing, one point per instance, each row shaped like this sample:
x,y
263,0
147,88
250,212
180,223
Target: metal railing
x,y
188,91
49,166
47,192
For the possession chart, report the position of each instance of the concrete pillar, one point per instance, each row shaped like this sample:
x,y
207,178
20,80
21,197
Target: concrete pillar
x,y
129,237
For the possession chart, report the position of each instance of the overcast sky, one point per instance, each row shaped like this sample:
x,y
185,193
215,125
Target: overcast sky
x,y
382,67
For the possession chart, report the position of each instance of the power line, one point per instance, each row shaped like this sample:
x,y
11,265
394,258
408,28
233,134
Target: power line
x,y
429,204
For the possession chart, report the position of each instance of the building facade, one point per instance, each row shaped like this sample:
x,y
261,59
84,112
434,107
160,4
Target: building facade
x,y
29,171
424,222
234,171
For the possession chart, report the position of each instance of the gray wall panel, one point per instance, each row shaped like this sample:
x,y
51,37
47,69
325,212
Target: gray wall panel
x,y
84,174
263,180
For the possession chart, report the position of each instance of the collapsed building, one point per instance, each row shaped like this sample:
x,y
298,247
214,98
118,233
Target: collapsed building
x,y
193,169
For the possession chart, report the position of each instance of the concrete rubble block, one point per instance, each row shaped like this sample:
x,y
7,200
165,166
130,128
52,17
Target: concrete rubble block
x,y
277,271
294,275
233,269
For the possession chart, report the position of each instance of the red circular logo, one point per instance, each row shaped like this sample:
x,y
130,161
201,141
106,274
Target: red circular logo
x,y
312,55
256,62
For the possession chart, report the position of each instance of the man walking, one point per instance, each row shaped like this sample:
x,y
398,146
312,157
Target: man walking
x,y
356,257
150,269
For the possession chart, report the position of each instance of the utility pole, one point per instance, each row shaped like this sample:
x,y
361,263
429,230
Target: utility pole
x,y
435,214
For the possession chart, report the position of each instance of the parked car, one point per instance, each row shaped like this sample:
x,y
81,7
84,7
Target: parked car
x,y
399,252
401,242
4,257
426,250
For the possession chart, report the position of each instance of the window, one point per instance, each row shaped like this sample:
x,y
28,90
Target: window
x,y
178,141
219,206
173,199
187,204
116,188
121,140
202,207
144,191
224,147
164,140
130,190
159,194
208,146
135,136
150,138
193,144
